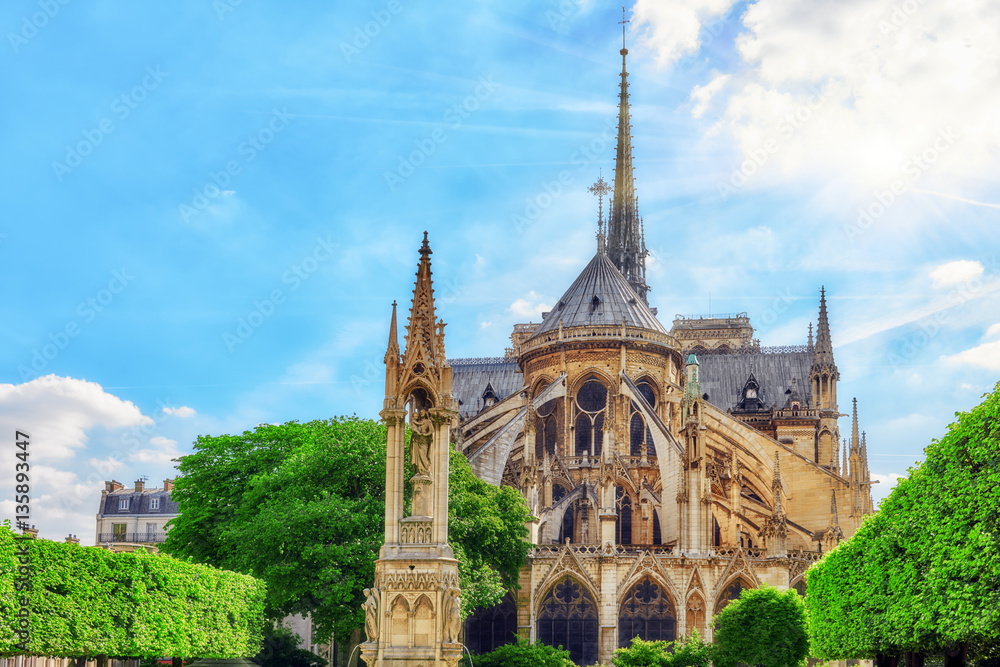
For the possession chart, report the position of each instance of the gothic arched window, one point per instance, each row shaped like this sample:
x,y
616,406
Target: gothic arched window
x,y
568,524
801,587
623,522
546,428
657,536
640,437
646,613
591,401
567,617
488,629
730,593
558,493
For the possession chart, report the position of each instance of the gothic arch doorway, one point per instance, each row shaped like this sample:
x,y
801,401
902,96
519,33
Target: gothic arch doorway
x,y
647,613
567,617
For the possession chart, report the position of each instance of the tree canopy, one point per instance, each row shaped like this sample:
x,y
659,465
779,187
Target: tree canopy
x,y
922,575
763,628
85,601
302,507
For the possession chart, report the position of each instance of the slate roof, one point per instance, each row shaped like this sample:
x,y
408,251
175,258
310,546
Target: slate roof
x,y
600,295
139,503
724,375
469,378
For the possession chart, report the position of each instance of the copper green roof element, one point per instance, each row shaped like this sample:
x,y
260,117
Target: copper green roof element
x,y
600,296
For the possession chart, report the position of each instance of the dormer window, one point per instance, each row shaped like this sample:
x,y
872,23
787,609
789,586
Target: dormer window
x,y
123,504
154,503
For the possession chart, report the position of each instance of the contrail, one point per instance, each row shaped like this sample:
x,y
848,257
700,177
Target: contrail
x,y
967,201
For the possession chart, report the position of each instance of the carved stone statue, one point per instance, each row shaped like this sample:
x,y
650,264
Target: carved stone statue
x,y
452,615
371,613
420,444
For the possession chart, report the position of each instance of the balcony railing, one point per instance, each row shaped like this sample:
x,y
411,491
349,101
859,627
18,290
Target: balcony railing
x,y
132,538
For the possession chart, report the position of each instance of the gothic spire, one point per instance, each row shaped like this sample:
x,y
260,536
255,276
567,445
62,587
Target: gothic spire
x,y
855,440
809,343
392,350
823,351
626,245
425,336
834,519
776,487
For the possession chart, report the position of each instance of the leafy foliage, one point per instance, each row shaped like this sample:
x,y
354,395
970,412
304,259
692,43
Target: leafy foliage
x,y
281,649
522,654
689,651
302,507
763,628
923,575
88,602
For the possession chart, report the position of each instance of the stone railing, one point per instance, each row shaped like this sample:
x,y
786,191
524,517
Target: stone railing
x,y
615,333
811,556
729,551
549,550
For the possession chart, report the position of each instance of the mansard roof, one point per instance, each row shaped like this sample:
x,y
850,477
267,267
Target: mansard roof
x,y
599,296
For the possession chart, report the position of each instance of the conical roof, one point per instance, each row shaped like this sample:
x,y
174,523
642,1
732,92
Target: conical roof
x,y
600,296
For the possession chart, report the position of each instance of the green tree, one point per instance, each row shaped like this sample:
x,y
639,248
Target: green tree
x,y
763,628
641,653
281,649
923,575
302,507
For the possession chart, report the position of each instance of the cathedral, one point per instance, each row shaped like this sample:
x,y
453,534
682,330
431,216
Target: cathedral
x,y
667,470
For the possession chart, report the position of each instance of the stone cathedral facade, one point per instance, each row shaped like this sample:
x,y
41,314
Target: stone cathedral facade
x,y
667,469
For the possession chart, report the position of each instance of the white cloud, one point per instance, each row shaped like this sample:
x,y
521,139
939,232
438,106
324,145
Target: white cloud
x,y
58,411
672,28
908,96
183,412
702,95
986,356
163,452
485,325
107,466
994,330
886,483
956,273
531,306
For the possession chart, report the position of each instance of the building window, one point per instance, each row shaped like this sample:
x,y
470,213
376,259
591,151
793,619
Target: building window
x,y
591,400
623,522
123,504
489,629
567,617
118,531
546,428
640,437
154,503
646,613
731,592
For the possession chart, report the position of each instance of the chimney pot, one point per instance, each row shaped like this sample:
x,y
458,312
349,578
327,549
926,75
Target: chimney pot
x,y
139,485
168,485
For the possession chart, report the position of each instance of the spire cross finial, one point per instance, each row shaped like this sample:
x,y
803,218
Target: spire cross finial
x,y
600,188
622,23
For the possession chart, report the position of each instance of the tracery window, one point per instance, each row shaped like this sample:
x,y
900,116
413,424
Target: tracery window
x,y
488,629
567,617
640,437
623,522
730,593
558,493
646,613
546,428
591,401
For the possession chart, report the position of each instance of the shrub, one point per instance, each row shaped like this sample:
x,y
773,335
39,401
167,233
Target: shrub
x,y
522,654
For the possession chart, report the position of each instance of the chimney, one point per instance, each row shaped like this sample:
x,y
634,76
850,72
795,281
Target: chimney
x,y
139,485
72,539
168,485
31,532
113,486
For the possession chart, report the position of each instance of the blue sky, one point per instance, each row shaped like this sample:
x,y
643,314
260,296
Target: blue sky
x,y
210,206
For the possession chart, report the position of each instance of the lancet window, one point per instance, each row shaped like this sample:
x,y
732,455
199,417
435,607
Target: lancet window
x,y
729,593
640,437
647,613
623,521
546,429
567,617
591,405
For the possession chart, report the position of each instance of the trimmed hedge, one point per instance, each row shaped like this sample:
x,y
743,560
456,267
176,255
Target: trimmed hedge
x,y
89,602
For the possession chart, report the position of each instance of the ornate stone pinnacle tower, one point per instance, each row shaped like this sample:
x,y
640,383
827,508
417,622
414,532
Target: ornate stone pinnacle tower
x,y
626,244
412,611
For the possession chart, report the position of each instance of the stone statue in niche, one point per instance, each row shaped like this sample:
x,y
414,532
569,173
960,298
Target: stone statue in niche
x,y
371,613
423,430
452,615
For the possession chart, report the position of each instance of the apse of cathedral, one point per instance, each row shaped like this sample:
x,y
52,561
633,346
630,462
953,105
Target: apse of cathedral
x,y
668,469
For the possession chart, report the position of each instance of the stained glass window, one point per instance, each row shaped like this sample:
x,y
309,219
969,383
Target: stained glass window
x,y
591,400
647,613
488,629
545,429
567,617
